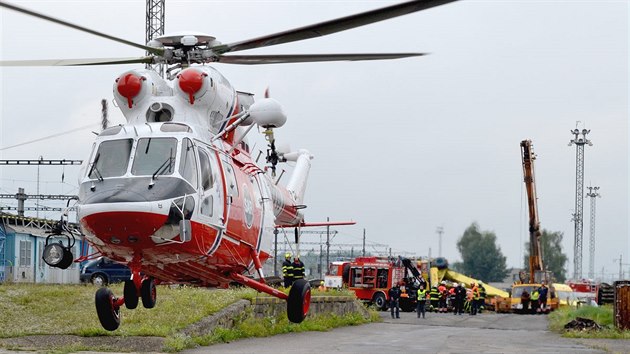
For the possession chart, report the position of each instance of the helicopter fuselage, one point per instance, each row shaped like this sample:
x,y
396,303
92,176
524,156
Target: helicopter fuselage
x,y
171,168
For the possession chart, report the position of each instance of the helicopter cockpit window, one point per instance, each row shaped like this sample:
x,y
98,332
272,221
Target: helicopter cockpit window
x,y
188,166
206,170
111,159
155,156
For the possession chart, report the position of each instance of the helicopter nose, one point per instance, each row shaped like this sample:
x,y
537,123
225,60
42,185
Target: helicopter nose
x,y
123,226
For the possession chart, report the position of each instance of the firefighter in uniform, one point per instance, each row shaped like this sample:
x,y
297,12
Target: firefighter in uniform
x,y
482,297
287,270
434,296
298,269
460,296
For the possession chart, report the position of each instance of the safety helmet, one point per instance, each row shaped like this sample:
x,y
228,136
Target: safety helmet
x,y
454,285
322,282
287,255
443,282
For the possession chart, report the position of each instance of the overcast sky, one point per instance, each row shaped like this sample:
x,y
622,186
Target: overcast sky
x,y
400,146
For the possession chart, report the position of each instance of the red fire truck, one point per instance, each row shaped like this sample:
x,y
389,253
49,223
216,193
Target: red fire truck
x,y
371,277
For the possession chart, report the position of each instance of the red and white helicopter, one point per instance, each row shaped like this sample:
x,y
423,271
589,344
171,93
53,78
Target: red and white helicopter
x,y
174,193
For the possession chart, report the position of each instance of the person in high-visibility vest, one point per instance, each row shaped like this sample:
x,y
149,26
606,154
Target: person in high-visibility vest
x,y
434,296
475,300
421,301
287,270
535,297
482,297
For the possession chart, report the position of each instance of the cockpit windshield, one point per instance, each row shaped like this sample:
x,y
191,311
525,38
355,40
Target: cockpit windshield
x,y
111,159
155,156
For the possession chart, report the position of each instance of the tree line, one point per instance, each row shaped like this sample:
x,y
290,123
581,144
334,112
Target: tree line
x,y
482,257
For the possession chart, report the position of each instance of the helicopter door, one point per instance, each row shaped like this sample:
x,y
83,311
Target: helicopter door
x,y
211,200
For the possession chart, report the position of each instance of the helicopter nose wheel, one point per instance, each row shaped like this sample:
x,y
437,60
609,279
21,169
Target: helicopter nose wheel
x,y
108,309
131,294
148,293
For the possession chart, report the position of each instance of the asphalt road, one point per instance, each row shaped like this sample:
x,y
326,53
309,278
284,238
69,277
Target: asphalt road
x,y
438,333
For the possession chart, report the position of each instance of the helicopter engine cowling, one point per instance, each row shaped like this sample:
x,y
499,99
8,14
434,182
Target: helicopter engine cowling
x,y
133,87
268,113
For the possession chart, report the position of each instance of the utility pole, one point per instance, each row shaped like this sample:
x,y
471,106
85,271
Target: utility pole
x,y
155,28
363,253
580,140
327,244
592,193
440,231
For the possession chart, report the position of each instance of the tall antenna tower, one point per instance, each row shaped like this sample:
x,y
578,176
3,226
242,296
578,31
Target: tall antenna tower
x,y
440,231
592,193
155,28
579,141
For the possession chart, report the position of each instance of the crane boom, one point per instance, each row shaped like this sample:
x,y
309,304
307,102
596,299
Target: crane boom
x,y
536,265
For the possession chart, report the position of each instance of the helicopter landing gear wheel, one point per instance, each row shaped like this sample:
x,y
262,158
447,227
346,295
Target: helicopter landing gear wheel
x,y
299,301
148,293
108,313
131,295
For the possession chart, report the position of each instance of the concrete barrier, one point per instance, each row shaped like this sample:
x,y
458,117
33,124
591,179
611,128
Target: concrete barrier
x,y
271,307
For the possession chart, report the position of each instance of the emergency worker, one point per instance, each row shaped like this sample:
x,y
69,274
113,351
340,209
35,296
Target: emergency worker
x,y
287,270
543,291
535,303
421,301
298,269
443,294
475,299
482,297
394,297
434,297
525,300
460,296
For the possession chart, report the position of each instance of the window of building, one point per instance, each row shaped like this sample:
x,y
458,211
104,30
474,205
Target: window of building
x,y
25,253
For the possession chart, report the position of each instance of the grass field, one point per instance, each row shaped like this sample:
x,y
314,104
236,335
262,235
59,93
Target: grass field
x,y
602,315
29,309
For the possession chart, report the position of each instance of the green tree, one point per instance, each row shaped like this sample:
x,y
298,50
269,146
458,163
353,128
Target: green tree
x,y
481,257
554,259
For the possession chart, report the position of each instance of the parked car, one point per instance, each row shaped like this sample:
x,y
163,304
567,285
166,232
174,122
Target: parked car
x,y
103,271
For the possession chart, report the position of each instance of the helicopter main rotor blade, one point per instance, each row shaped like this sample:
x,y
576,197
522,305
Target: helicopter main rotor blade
x,y
76,62
156,51
332,26
308,58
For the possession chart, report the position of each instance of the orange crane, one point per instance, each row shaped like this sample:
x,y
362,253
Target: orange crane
x,y
536,267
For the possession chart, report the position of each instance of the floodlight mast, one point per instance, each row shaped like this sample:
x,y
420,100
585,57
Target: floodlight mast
x,y
580,140
154,29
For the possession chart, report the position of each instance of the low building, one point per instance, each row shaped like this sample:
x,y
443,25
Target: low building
x,y
22,241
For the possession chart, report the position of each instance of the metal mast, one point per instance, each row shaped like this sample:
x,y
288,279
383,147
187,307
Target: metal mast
x,y
155,28
440,231
579,142
592,192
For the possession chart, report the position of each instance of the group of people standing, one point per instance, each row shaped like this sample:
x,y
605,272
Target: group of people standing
x,y
292,270
440,299
537,299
